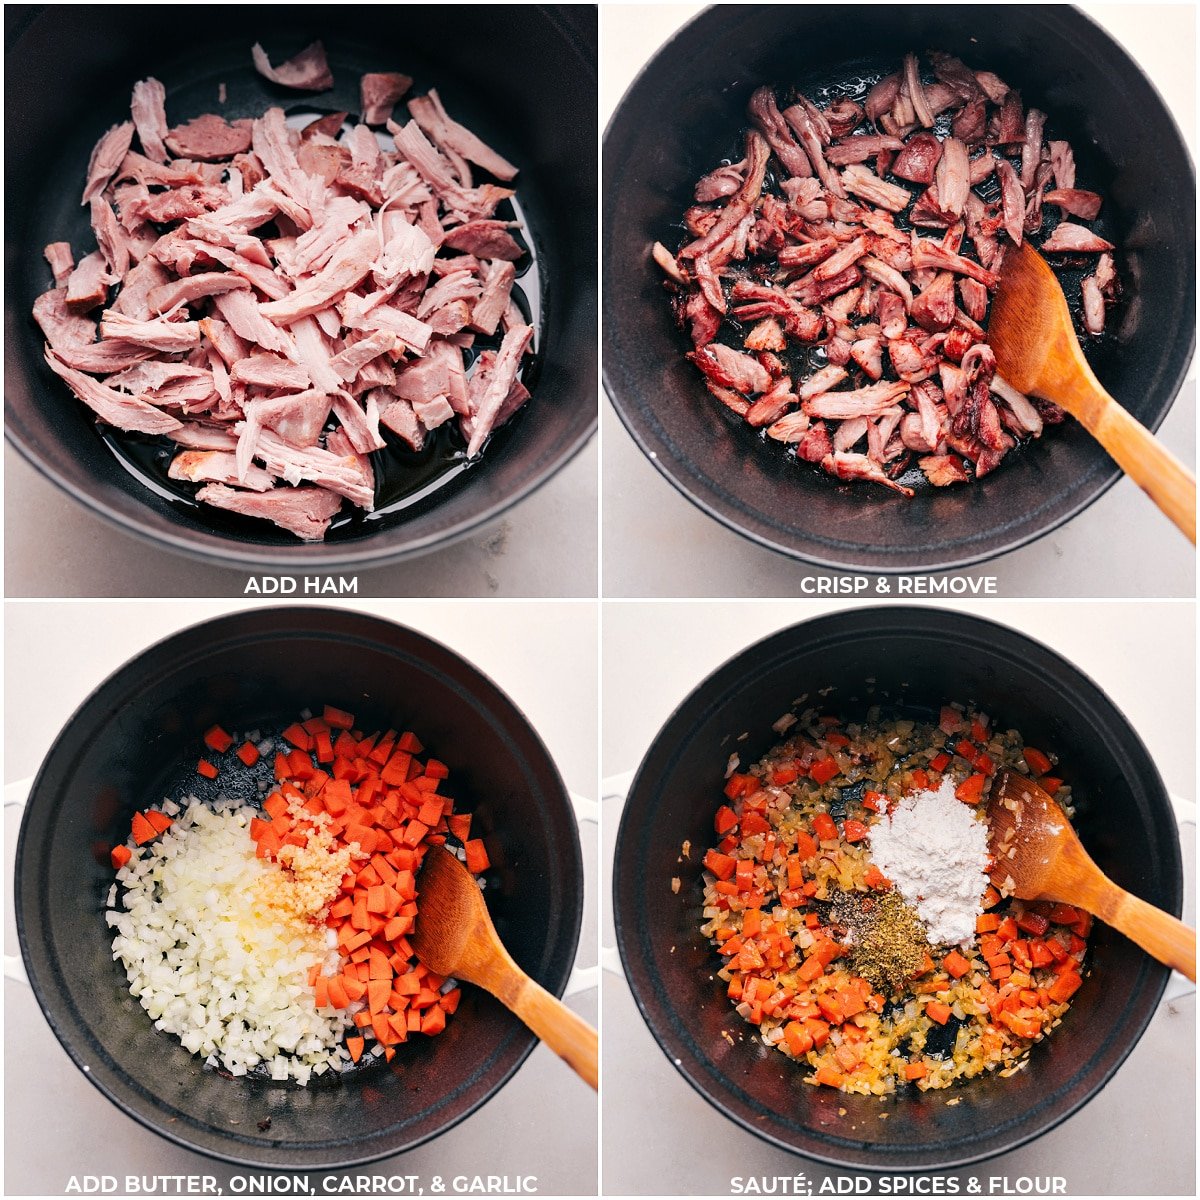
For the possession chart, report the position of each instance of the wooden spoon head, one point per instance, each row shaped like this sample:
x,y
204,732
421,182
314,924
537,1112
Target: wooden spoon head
x,y
453,920
1029,326
1035,851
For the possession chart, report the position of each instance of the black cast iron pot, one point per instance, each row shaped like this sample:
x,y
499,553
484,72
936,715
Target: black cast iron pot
x,y
920,658
686,112
522,77
137,738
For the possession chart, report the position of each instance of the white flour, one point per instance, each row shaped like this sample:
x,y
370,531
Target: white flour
x,y
934,849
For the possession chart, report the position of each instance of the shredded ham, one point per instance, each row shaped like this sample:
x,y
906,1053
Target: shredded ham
x,y
863,231
270,299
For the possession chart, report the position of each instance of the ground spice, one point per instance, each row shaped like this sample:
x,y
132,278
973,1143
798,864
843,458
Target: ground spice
x,y
886,937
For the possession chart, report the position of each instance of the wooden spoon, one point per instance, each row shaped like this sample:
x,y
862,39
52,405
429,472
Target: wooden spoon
x,y
454,935
1049,863
1031,334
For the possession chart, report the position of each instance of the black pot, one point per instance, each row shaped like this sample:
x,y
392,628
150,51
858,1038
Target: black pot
x,y
522,77
135,740
686,111
921,658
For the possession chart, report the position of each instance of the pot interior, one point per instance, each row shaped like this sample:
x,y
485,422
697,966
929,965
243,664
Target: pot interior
x,y
917,659
137,739
1122,137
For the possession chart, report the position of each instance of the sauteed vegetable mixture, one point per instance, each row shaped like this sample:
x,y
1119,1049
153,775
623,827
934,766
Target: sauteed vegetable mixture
x,y
849,902
274,939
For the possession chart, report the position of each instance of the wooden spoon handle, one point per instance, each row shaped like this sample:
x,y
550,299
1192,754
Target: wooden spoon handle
x,y
568,1035
1145,460
1158,933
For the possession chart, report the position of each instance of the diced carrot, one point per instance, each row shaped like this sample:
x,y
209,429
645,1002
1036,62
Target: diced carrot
x,y
217,739
987,922
143,831
1065,986
873,877
1050,784
298,736
248,753
335,718
823,770
915,1070
1038,762
939,762
1033,923
321,990
935,1010
806,846
355,1046
956,964
434,1021
824,827
477,856
120,855
853,831
799,1040
970,791
159,822
410,742
205,768
1022,1026
829,1077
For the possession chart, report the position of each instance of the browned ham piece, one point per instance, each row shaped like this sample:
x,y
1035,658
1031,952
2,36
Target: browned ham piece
x,y
819,238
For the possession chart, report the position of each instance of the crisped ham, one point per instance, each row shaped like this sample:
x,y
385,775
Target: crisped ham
x,y
820,238
305,72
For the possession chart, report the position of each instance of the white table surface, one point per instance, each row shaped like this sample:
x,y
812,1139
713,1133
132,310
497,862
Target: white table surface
x,y
656,543
543,1122
1137,1137
53,546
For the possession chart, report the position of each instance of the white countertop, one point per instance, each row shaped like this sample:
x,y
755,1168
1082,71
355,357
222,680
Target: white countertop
x,y
1137,1137
541,1123
656,543
53,546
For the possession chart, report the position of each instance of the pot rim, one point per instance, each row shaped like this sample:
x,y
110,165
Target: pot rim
x,y
318,1158
625,908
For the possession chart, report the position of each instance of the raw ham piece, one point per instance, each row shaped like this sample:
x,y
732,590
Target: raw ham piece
x,y
306,72
278,303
